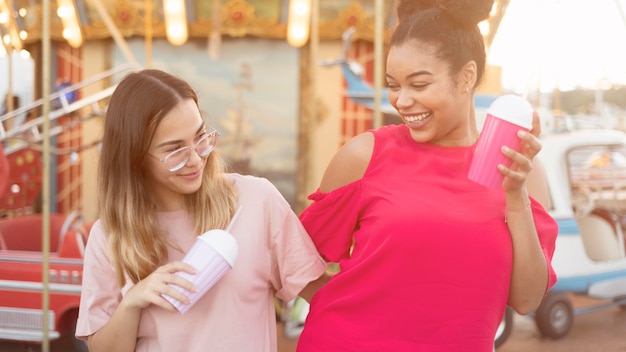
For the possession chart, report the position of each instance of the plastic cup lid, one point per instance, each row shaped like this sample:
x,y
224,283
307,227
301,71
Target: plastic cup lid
x,y
514,109
223,242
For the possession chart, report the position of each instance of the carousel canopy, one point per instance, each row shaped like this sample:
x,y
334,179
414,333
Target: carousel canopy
x,y
82,20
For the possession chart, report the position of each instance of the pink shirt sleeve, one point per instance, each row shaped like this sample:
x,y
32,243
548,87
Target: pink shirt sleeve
x,y
295,259
331,220
100,294
291,257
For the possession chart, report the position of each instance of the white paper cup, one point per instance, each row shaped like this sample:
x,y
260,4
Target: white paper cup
x,y
213,254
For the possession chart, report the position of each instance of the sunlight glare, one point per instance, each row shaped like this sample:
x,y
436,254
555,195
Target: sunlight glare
x,y
565,44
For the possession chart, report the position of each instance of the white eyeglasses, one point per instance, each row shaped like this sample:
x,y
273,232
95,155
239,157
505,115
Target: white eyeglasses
x,y
175,160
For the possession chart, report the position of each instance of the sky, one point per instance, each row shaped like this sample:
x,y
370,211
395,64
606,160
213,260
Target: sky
x,y
566,43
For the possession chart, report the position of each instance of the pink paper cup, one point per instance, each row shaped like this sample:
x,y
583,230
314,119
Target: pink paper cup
x,y
213,255
506,116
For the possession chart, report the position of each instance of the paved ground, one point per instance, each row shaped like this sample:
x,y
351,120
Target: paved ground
x,y
599,331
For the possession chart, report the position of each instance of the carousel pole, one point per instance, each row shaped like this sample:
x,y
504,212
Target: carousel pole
x,y
314,41
215,34
9,101
9,49
148,33
378,61
45,192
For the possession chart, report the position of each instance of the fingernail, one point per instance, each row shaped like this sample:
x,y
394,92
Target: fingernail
x,y
505,149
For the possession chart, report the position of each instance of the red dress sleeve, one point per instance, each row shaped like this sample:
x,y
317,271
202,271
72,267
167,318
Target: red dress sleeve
x,y
331,220
547,229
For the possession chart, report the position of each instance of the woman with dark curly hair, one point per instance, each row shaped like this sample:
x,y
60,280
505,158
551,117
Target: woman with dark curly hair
x,y
428,259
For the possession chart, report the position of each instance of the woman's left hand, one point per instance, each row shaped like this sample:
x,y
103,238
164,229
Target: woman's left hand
x,y
516,175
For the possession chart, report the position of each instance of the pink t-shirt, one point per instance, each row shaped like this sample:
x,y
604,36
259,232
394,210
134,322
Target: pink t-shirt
x,y
276,258
431,256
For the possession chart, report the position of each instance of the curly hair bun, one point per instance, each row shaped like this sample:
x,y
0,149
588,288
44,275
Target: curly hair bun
x,y
406,8
466,13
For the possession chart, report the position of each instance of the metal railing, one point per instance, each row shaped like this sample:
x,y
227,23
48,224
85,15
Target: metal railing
x,y
24,134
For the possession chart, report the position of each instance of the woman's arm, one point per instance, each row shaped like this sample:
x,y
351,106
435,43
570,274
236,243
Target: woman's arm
x,y
309,290
120,332
537,184
529,277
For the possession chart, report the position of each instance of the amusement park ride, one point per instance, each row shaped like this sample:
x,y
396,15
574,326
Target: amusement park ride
x,y
21,243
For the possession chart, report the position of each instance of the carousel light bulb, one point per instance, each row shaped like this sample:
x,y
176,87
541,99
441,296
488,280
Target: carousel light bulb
x,y
175,21
71,27
64,11
68,33
299,22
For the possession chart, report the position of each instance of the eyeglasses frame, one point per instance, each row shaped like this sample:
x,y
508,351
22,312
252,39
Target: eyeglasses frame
x,y
213,132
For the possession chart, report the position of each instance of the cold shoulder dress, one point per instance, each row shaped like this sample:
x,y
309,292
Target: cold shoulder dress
x,y
425,254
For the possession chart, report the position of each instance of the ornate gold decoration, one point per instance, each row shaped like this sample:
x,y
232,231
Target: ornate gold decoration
x,y
126,17
238,19
352,16
129,17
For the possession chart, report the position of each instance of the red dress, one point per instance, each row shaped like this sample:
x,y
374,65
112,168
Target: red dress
x,y
425,254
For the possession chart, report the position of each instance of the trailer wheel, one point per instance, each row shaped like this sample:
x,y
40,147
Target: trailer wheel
x,y
555,315
505,328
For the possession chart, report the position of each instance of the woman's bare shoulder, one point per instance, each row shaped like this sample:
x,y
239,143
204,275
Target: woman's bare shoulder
x,y
349,163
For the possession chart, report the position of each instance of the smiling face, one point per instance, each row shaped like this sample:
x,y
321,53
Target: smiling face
x,y
182,126
434,103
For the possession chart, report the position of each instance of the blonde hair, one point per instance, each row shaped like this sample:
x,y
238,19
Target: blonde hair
x,y
127,211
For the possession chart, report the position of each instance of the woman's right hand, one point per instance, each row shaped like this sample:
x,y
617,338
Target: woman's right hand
x,y
151,289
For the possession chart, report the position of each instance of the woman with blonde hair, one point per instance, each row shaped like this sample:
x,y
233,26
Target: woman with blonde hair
x,y
161,184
